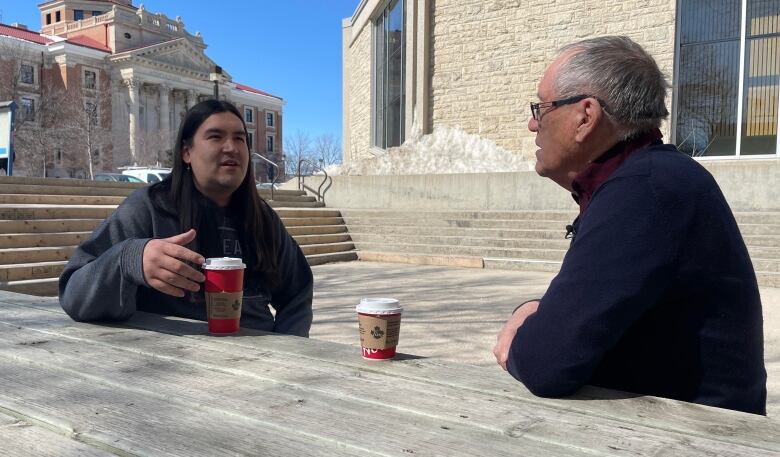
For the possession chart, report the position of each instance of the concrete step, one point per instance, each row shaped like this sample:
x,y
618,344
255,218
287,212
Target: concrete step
x,y
769,241
30,212
421,259
764,252
32,240
266,193
49,225
321,259
43,287
328,248
35,199
475,251
317,230
768,279
30,255
307,212
36,270
289,198
311,221
759,229
517,224
73,183
417,214
410,230
495,263
64,190
321,239
767,265
503,243
295,204
757,217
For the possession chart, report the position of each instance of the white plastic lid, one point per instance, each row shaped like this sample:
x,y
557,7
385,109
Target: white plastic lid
x,y
379,306
223,263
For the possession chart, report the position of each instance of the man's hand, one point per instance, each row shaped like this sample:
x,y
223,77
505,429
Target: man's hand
x,y
507,334
165,268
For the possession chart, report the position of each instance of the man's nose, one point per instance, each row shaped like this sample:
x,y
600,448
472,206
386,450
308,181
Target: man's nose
x,y
229,145
533,124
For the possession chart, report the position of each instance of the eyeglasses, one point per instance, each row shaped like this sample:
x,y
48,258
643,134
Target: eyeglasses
x,y
536,108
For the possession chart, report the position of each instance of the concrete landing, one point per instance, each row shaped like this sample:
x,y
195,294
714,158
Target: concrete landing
x,y
455,313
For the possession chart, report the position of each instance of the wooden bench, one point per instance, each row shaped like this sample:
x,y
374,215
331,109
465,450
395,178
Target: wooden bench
x,y
157,385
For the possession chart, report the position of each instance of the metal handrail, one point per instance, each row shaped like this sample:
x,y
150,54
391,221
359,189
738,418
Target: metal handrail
x,y
276,173
320,193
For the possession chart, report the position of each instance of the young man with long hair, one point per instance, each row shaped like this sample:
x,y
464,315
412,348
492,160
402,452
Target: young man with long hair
x,y
146,255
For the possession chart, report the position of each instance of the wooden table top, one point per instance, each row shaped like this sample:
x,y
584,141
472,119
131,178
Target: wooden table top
x,y
162,386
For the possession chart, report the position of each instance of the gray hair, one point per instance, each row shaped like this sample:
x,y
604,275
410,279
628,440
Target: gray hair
x,y
622,75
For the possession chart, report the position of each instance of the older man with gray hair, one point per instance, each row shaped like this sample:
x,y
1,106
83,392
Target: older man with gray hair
x,y
657,294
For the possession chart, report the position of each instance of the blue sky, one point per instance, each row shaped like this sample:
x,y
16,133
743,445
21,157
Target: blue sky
x,y
290,48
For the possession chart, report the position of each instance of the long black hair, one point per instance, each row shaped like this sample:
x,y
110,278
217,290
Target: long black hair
x,y
259,234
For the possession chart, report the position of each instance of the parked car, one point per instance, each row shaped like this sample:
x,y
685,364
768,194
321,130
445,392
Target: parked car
x,y
146,174
116,177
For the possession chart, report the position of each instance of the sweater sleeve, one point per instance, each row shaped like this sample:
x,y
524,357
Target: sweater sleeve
x,y
616,269
292,299
100,280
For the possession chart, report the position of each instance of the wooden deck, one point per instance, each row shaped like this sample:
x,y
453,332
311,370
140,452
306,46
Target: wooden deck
x,y
162,386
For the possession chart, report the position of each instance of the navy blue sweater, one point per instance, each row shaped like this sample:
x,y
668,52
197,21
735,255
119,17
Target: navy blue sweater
x,y
656,295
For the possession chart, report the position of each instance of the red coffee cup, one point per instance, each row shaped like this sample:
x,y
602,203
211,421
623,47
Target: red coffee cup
x,y
379,322
224,294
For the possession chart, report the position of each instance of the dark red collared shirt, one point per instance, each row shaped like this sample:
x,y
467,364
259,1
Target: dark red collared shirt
x,y
588,180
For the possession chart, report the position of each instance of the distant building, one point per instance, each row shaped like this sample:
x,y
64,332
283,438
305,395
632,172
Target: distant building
x,y
411,66
135,72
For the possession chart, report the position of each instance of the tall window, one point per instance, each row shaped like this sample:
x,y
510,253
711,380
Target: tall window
x,y
250,140
28,109
27,73
269,144
389,56
249,115
78,15
269,119
90,79
724,109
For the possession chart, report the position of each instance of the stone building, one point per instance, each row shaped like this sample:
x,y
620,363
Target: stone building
x,y
414,66
136,71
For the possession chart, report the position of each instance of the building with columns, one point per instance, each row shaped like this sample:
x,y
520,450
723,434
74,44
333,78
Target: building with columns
x,y
137,70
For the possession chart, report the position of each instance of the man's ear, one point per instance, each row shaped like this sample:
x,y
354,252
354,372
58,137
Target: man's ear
x,y
185,154
590,114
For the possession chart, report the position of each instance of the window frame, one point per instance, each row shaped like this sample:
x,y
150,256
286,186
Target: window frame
x,y
27,115
740,92
84,72
270,119
250,140
376,136
76,12
32,73
249,114
269,140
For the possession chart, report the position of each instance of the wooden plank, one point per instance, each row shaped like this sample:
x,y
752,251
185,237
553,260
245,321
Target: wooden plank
x,y
487,411
318,415
19,437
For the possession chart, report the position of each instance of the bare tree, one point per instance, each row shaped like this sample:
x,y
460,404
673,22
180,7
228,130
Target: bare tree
x,y
296,147
326,151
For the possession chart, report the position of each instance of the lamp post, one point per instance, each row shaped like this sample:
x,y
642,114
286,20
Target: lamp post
x,y
216,75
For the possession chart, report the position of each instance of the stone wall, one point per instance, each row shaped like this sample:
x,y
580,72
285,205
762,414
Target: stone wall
x,y
360,95
488,55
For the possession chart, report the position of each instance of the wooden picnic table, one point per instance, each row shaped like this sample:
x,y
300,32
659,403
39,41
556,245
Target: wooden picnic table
x,y
157,385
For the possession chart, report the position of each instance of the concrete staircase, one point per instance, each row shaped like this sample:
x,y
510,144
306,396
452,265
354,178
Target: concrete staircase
x,y
521,240
43,220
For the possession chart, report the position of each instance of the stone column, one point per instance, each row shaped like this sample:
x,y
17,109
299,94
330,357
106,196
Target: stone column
x,y
165,115
192,98
133,85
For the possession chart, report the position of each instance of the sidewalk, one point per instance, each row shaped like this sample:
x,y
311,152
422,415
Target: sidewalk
x,y
454,314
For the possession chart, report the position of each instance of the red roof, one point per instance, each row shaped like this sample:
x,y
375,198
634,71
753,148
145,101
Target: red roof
x,y
88,42
22,34
253,90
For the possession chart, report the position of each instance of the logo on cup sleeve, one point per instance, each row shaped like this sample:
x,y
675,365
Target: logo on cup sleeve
x,y
377,332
